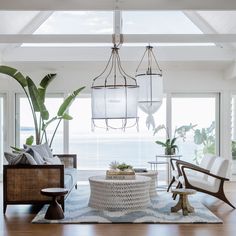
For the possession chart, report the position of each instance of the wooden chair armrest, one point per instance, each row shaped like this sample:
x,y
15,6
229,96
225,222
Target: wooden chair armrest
x,y
172,160
201,170
180,163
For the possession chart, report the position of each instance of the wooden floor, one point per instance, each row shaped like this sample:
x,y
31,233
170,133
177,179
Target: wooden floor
x,y
17,222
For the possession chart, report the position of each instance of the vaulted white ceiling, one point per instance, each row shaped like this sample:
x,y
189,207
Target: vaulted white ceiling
x,y
212,38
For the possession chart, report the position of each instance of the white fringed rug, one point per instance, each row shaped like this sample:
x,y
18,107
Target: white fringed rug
x,y
77,211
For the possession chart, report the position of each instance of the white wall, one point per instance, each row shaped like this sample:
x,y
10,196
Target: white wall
x,y
72,75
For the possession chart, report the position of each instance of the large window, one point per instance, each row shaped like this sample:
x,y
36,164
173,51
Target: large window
x,y
25,125
233,133
1,131
202,112
97,149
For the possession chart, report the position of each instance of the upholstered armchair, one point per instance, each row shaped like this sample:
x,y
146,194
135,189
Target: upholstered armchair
x,y
207,181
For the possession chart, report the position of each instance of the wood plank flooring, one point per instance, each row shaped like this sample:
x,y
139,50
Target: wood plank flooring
x,y
17,222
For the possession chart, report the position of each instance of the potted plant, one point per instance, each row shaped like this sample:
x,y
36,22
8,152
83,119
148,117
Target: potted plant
x,y
170,143
36,99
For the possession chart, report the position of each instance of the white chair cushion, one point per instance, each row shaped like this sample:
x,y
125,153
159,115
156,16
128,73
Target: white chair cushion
x,y
200,183
207,161
219,167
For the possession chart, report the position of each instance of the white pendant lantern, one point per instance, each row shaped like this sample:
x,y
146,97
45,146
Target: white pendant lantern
x,y
114,96
150,81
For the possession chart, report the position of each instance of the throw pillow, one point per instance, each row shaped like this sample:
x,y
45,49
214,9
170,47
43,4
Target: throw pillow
x,y
19,158
39,160
43,150
55,160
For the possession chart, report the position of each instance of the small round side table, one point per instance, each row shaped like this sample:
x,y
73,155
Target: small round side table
x,y
54,211
183,202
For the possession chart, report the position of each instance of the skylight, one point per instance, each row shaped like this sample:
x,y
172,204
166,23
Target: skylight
x,y
158,22
78,22
101,22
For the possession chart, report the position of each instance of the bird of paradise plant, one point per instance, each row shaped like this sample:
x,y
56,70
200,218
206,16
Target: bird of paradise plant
x,y
36,98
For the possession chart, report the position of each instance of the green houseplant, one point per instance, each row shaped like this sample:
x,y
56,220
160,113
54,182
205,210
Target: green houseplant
x,y
36,99
170,143
206,138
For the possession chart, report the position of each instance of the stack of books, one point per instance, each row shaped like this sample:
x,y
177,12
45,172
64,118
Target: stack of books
x,y
120,175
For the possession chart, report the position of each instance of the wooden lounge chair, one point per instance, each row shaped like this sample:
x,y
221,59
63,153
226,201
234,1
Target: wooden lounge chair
x,y
207,181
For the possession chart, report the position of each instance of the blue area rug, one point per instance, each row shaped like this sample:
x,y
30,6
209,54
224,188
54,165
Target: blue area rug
x,y
77,211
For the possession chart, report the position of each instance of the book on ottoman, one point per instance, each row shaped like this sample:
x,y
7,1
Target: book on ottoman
x,y
119,175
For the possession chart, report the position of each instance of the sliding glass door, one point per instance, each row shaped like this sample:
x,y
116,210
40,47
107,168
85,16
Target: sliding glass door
x,y
97,149
1,130
202,112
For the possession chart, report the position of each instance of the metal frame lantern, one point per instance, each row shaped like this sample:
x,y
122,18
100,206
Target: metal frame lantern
x,y
150,81
114,96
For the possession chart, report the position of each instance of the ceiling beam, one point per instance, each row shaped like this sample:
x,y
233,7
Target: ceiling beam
x,y
128,38
190,53
200,23
31,27
73,5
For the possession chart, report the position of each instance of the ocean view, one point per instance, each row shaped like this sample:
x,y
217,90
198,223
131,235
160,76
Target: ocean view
x,y
96,152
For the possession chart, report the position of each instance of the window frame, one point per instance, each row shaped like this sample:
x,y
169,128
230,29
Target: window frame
x,y
3,95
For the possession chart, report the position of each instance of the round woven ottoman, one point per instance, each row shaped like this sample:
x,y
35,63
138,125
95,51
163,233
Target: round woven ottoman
x,y
153,175
119,194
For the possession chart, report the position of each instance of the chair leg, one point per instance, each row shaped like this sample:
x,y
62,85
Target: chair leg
x,y
223,198
4,208
171,182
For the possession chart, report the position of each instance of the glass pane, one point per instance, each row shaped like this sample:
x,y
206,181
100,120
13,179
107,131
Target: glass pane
x,y
97,149
53,105
233,133
233,128
200,112
78,22
1,133
158,22
27,124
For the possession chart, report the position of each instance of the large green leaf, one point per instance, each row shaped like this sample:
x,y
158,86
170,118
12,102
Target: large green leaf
x,y
160,143
173,141
16,149
47,80
68,101
29,141
198,137
44,84
14,73
37,102
66,117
